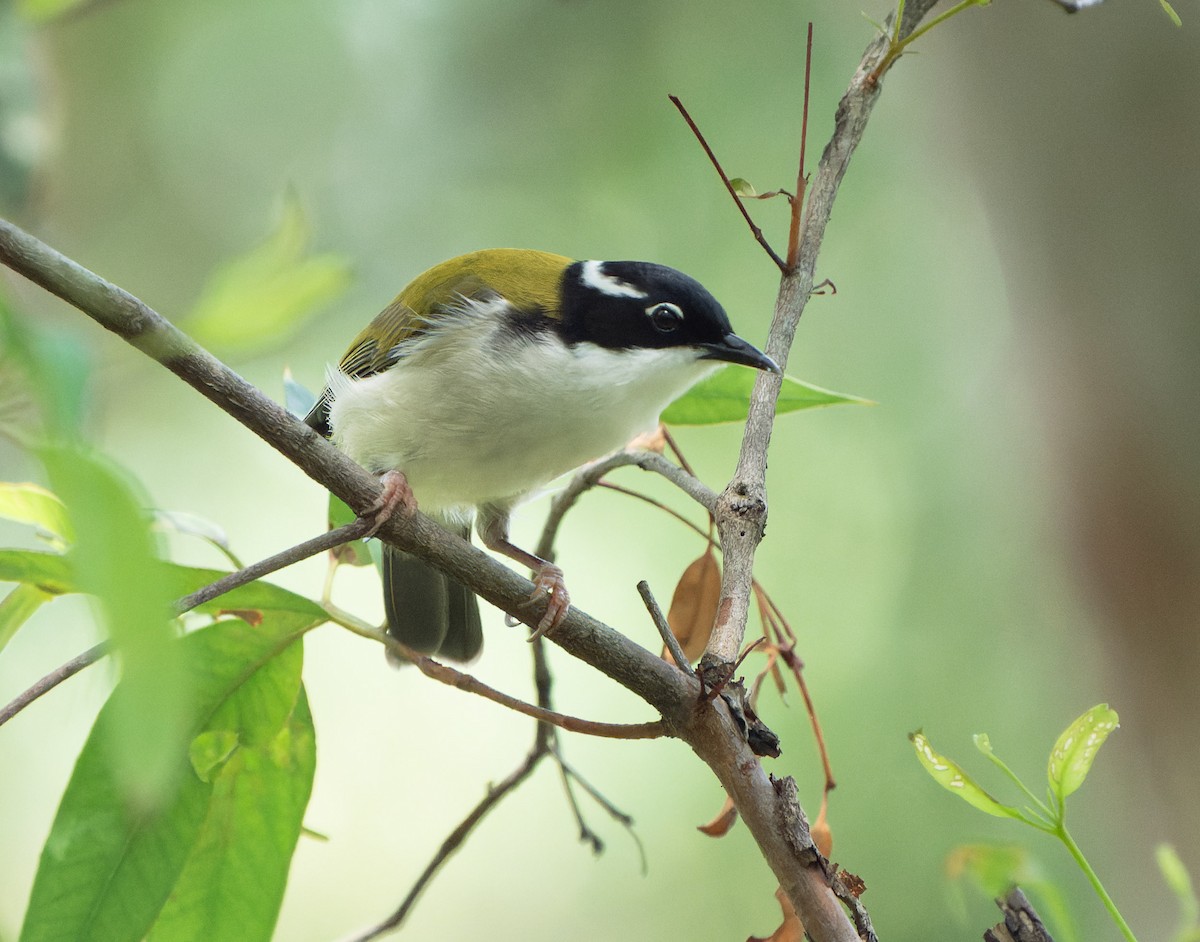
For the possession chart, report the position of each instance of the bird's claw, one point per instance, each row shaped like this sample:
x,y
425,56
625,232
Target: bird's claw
x,y
395,495
548,581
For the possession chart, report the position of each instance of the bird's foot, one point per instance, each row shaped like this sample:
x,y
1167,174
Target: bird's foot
x,y
548,581
395,495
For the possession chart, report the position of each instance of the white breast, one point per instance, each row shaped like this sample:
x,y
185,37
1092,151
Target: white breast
x,y
469,428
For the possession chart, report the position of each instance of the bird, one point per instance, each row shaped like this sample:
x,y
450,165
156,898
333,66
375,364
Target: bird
x,y
490,375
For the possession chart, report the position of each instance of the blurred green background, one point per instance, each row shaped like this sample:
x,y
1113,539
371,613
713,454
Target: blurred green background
x,y
1010,536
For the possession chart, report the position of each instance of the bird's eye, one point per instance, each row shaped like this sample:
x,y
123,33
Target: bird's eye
x,y
665,317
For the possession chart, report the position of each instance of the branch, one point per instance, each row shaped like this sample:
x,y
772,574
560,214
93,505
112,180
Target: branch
x,y
742,509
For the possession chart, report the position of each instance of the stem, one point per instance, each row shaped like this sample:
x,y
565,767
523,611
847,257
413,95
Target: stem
x,y
1065,836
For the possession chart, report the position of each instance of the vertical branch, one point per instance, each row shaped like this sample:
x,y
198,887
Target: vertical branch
x,y
742,508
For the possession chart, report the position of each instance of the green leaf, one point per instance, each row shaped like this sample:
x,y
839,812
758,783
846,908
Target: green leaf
x,y
951,777
725,397
263,297
55,369
115,559
17,607
43,11
233,883
29,503
108,869
209,752
50,572
1170,11
743,187
354,553
1072,756
1179,881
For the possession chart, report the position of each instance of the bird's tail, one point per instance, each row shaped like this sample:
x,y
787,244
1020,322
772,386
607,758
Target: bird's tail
x,y
428,610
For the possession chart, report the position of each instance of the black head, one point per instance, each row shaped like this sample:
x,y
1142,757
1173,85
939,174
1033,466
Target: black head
x,y
627,305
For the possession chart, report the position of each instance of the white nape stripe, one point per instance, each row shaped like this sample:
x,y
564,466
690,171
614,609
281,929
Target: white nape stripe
x,y
594,276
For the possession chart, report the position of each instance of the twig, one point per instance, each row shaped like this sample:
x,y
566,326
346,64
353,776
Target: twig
x,y
228,583
664,630
264,567
53,679
758,235
466,682
495,794
658,505
571,774
677,451
797,201
589,476
742,510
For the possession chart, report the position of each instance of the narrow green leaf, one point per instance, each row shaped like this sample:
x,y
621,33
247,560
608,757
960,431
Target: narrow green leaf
x,y
29,503
1072,756
1170,11
50,572
116,560
951,777
263,297
725,397
17,607
107,870
1179,881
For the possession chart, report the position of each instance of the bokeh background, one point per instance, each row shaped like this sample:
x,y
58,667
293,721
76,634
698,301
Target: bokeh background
x,y
1010,536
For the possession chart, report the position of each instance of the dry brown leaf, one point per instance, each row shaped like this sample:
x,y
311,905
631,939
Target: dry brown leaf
x,y
251,616
694,605
725,819
790,930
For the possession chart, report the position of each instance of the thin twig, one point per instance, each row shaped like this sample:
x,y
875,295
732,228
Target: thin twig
x,y
793,252
664,629
677,451
623,819
228,583
546,735
470,684
264,567
495,794
659,505
53,679
758,235
589,476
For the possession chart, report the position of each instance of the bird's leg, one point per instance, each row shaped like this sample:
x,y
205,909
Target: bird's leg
x,y
547,577
396,494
